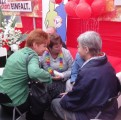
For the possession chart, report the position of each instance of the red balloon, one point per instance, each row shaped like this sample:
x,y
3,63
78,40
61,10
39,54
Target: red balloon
x,y
89,1
70,8
76,1
98,7
81,1
56,1
83,11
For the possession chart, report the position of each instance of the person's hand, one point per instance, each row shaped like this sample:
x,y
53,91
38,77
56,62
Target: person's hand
x,y
63,94
56,73
57,77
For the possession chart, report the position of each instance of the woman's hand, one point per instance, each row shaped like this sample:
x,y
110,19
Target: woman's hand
x,y
63,94
56,73
57,77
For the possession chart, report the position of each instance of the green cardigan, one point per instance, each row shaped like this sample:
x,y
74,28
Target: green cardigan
x,y
15,76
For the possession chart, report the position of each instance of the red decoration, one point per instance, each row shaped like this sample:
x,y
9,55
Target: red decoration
x,y
98,7
6,46
56,1
22,44
70,8
83,11
90,1
76,1
81,1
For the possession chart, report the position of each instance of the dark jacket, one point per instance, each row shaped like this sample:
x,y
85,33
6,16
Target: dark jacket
x,y
95,84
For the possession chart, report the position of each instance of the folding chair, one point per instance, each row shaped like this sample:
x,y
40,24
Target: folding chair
x,y
4,98
119,98
3,58
118,75
110,101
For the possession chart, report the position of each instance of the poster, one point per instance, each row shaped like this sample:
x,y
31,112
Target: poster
x,y
54,15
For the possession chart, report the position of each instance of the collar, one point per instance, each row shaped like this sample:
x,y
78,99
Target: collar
x,y
102,56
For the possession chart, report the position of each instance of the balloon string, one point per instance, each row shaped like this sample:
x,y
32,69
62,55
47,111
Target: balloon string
x,y
91,24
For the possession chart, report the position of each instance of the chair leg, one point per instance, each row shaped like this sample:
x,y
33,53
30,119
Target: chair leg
x,y
14,116
97,116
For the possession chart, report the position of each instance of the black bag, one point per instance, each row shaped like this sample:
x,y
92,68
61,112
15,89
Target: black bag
x,y
39,97
38,94
57,87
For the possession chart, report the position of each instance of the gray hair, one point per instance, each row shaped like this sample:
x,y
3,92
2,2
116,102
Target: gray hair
x,y
92,40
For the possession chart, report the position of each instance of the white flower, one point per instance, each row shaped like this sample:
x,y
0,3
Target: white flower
x,y
14,47
9,34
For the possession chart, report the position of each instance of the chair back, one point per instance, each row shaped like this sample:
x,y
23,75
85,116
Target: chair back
x,y
4,98
3,56
119,98
118,75
110,101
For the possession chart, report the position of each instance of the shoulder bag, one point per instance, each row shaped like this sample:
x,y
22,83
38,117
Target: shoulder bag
x,y
38,94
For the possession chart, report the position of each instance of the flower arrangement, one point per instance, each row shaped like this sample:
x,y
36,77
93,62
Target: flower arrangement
x,y
10,38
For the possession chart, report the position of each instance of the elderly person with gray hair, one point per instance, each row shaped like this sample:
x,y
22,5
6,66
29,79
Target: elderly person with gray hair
x,y
95,84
